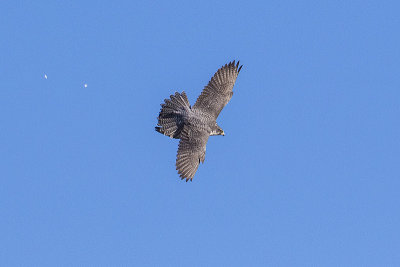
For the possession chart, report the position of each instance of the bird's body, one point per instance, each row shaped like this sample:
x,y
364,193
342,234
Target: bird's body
x,y
194,125
197,120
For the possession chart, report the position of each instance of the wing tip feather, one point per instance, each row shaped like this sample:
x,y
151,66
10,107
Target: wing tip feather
x,y
235,65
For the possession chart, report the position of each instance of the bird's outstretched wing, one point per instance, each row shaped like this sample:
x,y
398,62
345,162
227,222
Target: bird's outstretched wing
x,y
217,93
191,150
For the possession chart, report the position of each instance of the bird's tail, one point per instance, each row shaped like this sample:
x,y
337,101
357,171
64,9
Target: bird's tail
x,y
171,117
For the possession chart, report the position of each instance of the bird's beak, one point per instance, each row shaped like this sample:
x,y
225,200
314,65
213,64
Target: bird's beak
x,y
223,133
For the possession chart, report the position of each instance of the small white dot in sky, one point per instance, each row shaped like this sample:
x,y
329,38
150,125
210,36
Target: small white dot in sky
x,y
45,76
85,85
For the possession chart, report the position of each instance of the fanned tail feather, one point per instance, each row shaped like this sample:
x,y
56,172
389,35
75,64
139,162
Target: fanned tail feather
x,y
171,117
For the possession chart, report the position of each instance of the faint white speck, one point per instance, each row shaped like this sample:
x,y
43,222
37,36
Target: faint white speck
x,y
85,85
45,76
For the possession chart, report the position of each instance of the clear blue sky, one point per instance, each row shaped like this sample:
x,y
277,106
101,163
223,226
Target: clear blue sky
x,y
307,174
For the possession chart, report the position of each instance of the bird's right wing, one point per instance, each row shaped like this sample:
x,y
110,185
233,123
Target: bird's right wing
x,y
217,93
191,150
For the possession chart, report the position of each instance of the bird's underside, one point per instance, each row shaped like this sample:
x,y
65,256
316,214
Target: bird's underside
x,y
193,125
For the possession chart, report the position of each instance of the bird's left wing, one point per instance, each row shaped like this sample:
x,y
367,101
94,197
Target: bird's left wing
x,y
191,150
217,93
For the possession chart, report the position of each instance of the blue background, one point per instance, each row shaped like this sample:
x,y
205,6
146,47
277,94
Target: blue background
x,y
307,174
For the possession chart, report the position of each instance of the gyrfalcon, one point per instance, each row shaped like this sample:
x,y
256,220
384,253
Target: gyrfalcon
x,y
193,125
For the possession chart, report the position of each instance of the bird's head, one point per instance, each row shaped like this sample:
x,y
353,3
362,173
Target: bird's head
x,y
217,131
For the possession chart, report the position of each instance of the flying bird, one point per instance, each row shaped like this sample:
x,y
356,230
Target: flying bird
x,y
193,125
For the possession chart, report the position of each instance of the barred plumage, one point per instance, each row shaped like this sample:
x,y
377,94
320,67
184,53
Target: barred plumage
x,y
193,125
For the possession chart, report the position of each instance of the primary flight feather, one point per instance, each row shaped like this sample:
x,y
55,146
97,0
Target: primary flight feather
x,y
193,125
